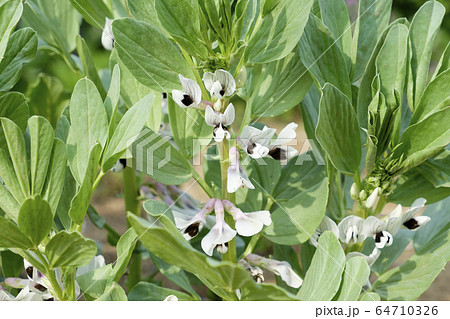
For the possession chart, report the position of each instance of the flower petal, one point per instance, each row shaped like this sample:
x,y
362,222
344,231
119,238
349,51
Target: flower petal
x,y
208,80
286,135
192,89
228,116
372,198
107,35
226,80
233,179
211,116
351,230
284,270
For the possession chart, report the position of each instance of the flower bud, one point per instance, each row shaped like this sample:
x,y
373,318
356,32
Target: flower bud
x,y
362,195
354,192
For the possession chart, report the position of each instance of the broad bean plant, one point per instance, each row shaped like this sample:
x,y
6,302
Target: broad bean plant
x,y
187,101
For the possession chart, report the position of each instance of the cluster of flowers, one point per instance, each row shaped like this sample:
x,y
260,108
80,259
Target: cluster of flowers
x,y
36,287
353,229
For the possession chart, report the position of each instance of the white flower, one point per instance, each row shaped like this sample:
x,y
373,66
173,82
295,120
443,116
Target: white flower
x,y
372,198
371,259
237,177
257,143
219,84
409,218
248,224
107,35
171,298
24,295
279,268
326,224
373,227
351,230
190,228
220,234
119,166
192,95
220,121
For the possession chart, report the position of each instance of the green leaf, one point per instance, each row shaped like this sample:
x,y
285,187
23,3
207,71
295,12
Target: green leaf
x,y
189,129
131,90
279,87
324,60
323,277
70,249
159,159
145,291
9,177
11,264
365,94
48,98
369,296
93,283
80,203
355,276
149,55
112,98
335,16
412,185
410,280
8,204
89,126
296,220
89,69
35,219
93,11
10,12
223,278
434,236
176,275
277,33
113,293
338,130
41,144
56,174
435,169
144,10
11,236
391,63
444,62
424,139
424,28
435,97
68,192
373,18
56,22
125,247
21,49
300,174
13,105
16,146
181,19
390,254
126,132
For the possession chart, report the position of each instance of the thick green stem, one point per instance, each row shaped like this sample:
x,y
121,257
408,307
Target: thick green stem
x,y
50,274
381,203
224,164
132,204
251,245
196,73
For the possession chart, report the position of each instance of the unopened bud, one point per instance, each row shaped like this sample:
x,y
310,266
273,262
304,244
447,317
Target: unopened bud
x,y
354,192
362,195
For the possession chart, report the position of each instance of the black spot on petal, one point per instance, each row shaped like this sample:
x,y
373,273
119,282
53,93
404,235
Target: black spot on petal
x,y
40,287
411,224
378,237
29,271
278,154
187,100
222,92
193,229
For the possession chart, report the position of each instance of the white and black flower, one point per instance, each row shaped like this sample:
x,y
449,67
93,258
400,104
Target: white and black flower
x,y
371,200
258,143
237,177
378,230
409,219
279,268
326,224
220,83
371,259
191,227
220,234
220,121
119,166
248,224
351,230
191,95
256,272
107,35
